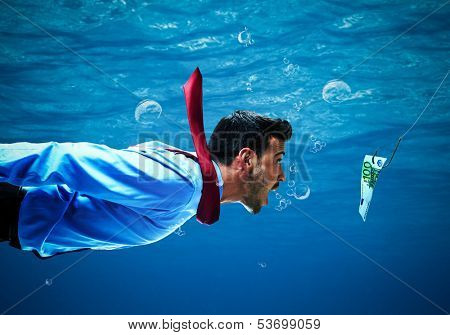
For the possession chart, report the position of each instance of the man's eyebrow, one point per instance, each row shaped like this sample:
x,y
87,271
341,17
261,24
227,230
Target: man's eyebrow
x,y
280,152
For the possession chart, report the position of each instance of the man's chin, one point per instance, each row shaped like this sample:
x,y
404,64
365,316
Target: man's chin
x,y
252,209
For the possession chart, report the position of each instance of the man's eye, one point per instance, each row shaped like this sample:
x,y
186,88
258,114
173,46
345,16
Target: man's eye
x,y
279,161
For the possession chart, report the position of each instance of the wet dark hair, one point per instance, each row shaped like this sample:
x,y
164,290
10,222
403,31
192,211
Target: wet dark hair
x,y
245,129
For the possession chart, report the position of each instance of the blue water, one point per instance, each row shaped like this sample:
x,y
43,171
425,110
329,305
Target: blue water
x,y
277,262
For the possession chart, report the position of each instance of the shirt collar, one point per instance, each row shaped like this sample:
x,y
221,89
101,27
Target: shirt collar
x,y
219,178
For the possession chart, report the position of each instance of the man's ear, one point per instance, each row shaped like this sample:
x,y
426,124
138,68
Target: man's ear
x,y
247,158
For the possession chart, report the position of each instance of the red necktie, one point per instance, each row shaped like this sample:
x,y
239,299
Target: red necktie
x,y
208,210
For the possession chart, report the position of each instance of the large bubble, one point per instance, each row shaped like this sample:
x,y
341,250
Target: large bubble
x,y
336,91
147,111
304,195
299,195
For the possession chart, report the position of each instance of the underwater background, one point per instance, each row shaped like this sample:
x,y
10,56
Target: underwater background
x,y
349,76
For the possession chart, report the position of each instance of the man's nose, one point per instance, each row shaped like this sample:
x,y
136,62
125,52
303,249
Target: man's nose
x,y
282,177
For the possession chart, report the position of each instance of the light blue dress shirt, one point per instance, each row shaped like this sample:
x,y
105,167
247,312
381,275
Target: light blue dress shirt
x,y
84,195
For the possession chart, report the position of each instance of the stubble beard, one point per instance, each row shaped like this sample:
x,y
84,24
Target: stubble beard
x,y
252,201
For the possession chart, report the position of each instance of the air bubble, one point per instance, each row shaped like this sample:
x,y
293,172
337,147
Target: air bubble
x,y
253,78
290,192
180,232
290,70
291,183
336,91
147,111
297,106
293,168
304,195
245,37
316,145
262,264
283,204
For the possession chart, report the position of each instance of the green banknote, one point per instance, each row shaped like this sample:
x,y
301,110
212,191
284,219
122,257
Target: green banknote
x,y
371,168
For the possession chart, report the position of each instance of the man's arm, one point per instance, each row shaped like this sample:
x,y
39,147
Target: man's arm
x,y
96,170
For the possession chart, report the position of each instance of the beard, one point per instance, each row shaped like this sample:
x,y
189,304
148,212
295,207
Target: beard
x,y
256,187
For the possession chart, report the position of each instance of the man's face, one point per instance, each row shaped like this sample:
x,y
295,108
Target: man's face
x,y
265,176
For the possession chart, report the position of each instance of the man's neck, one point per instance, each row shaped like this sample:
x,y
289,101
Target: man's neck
x,y
232,186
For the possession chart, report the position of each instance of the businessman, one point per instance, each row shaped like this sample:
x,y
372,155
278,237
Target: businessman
x,y
62,197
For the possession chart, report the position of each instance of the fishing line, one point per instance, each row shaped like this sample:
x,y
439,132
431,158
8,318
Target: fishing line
x,y
372,165
413,125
